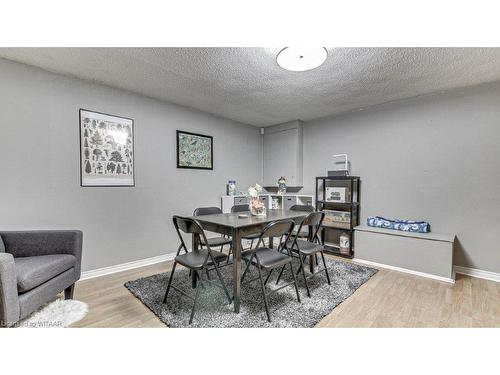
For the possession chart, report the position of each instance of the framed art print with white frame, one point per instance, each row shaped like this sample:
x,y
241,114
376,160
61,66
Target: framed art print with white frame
x,y
106,150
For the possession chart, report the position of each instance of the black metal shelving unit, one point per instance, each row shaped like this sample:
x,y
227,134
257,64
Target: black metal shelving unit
x,y
353,184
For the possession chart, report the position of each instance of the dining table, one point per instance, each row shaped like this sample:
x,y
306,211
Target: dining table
x,y
238,225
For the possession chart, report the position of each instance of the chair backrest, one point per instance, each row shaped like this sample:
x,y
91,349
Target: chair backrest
x,y
207,211
240,208
302,207
279,229
188,226
314,220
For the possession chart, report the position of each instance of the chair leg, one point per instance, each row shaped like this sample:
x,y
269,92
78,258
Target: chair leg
x,y
169,282
198,277
326,269
194,279
208,273
246,270
223,283
300,267
294,281
268,276
229,253
281,273
264,293
304,275
194,304
69,291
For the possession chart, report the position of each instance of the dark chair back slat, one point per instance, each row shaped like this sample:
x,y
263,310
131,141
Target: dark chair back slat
x,y
188,226
240,208
200,211
279,229
207,211
302,207
314,220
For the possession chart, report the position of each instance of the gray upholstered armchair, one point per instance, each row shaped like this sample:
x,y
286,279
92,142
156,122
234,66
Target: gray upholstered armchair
x,y
35,266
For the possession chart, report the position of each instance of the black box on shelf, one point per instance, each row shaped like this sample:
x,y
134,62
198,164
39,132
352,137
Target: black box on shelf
x,y
338,173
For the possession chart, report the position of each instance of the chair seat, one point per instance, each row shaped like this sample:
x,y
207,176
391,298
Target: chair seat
x,y
194,259
268,258
34,271
305,247
218,241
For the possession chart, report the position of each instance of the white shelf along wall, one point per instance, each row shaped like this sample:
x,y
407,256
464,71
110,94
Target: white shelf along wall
x,y
272,201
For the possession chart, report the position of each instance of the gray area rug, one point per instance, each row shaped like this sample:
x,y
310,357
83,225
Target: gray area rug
x,y
214,311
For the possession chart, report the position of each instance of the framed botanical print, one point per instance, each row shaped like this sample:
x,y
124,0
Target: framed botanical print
x,y
106,149
194,151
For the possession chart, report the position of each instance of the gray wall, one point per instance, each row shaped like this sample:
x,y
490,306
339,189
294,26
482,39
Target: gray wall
x,y
39,165
435,158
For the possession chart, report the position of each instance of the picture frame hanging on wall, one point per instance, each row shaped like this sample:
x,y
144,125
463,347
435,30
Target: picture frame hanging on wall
x,y
194,151
106,150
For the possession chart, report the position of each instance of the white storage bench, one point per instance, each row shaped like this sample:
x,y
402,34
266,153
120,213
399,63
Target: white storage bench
x,y
424,254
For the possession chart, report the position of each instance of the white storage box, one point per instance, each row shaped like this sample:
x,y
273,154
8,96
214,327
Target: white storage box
x,y
336,194
337,219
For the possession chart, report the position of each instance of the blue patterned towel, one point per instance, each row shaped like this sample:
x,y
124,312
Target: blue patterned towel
x,y
404,225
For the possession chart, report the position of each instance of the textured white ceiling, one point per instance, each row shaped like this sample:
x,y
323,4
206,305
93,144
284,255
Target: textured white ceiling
x,y
246,84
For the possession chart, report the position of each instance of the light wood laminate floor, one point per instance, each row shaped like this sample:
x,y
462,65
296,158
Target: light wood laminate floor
x,y
388,299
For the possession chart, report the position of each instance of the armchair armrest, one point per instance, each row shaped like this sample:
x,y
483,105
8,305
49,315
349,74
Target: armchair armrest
x,y
45,242
9,302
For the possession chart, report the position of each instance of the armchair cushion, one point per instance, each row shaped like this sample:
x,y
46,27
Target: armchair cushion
x,y
36,270
44,242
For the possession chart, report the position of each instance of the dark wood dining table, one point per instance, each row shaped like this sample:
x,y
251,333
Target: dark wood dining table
x,y
231,224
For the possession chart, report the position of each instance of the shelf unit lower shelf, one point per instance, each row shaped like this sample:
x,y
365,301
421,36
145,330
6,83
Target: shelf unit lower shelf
x,y
338,228
332,250
344,204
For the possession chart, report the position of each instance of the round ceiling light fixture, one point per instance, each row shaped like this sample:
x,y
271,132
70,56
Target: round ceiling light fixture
x,y
300,59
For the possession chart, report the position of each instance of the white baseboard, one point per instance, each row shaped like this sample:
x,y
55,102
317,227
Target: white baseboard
x,y
405,270
126,266
480,274
473,272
